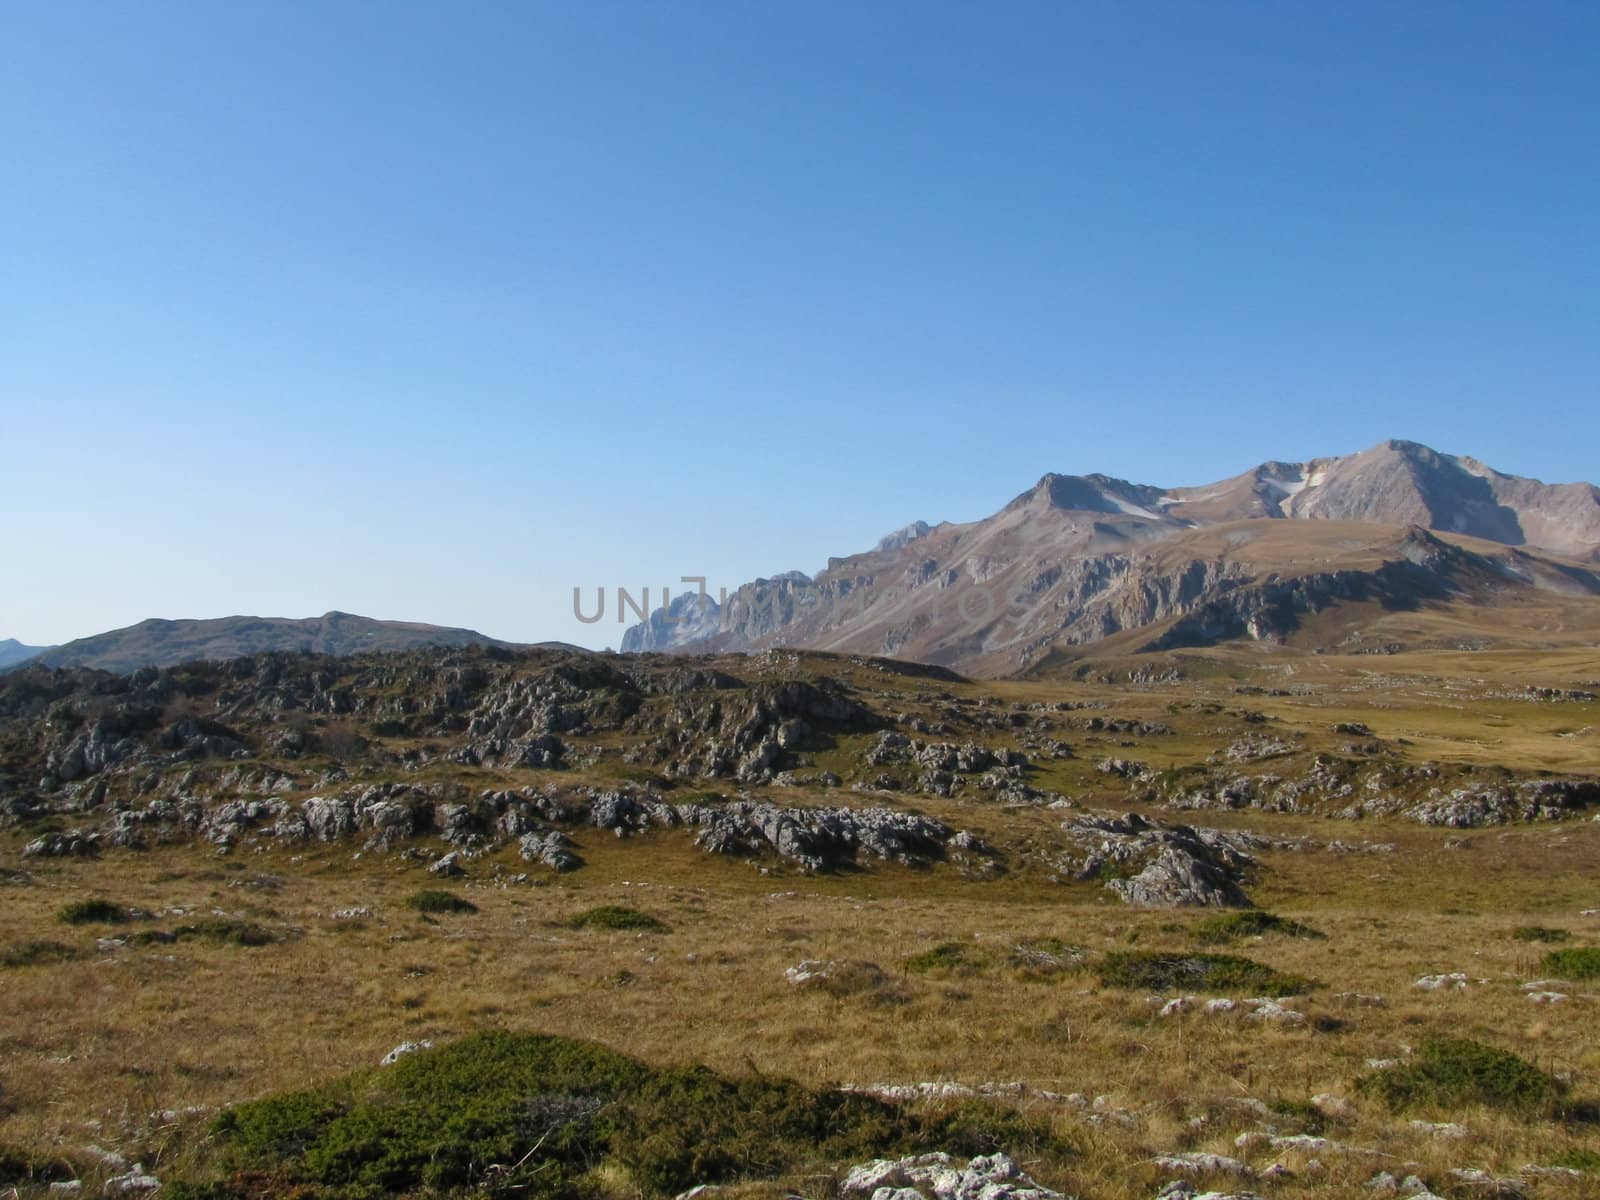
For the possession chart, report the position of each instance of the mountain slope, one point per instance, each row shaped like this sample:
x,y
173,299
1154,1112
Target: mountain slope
x,y
159,643
1078,559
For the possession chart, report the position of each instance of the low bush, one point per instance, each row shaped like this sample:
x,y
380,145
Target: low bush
x,y
550,1117
93,912
1252,922
35,954
616,916
1580,962
18,1169
1452,1072
434,901
1167,972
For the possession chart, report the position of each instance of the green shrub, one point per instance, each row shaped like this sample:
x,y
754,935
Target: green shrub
x,y
1452,1072
440,902
547,1116
615,916
1579,962
35,954
1540,933
1167,971
93,912
1253,922
947,956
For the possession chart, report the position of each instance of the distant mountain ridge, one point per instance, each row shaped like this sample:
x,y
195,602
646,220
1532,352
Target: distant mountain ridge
x,y
162,643
1077,559
13,652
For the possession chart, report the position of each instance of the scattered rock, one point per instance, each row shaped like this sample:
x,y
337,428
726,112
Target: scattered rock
x,y
1270,1010
940,1177
403,1049
1198,1162
838,976
135,1183
448,866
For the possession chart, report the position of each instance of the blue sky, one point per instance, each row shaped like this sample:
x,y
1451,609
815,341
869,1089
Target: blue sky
x,y
432,311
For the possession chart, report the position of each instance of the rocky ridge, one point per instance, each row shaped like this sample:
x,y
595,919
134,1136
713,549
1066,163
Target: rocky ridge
x,y
806,763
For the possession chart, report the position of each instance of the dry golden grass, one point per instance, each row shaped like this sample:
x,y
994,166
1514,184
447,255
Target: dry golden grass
x,y
91,1049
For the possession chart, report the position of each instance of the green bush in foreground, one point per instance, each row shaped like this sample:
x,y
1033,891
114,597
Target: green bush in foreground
x,y
93,912
1167,972
547,1116
1252,922
616,916
440,902
1580,962
1452,1072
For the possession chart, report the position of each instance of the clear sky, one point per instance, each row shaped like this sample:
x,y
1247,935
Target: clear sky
x,y
434,311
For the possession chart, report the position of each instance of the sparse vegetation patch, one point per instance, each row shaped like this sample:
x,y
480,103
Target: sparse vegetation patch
x,y
1251,922
948,956
1540,933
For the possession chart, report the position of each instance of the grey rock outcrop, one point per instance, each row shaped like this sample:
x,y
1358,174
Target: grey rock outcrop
x,y
1164,866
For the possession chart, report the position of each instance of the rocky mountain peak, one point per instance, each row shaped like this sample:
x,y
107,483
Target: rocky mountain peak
x,y
904,535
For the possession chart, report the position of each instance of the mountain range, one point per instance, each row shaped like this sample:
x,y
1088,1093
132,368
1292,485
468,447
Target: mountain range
x,y
1079,560
1398,543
